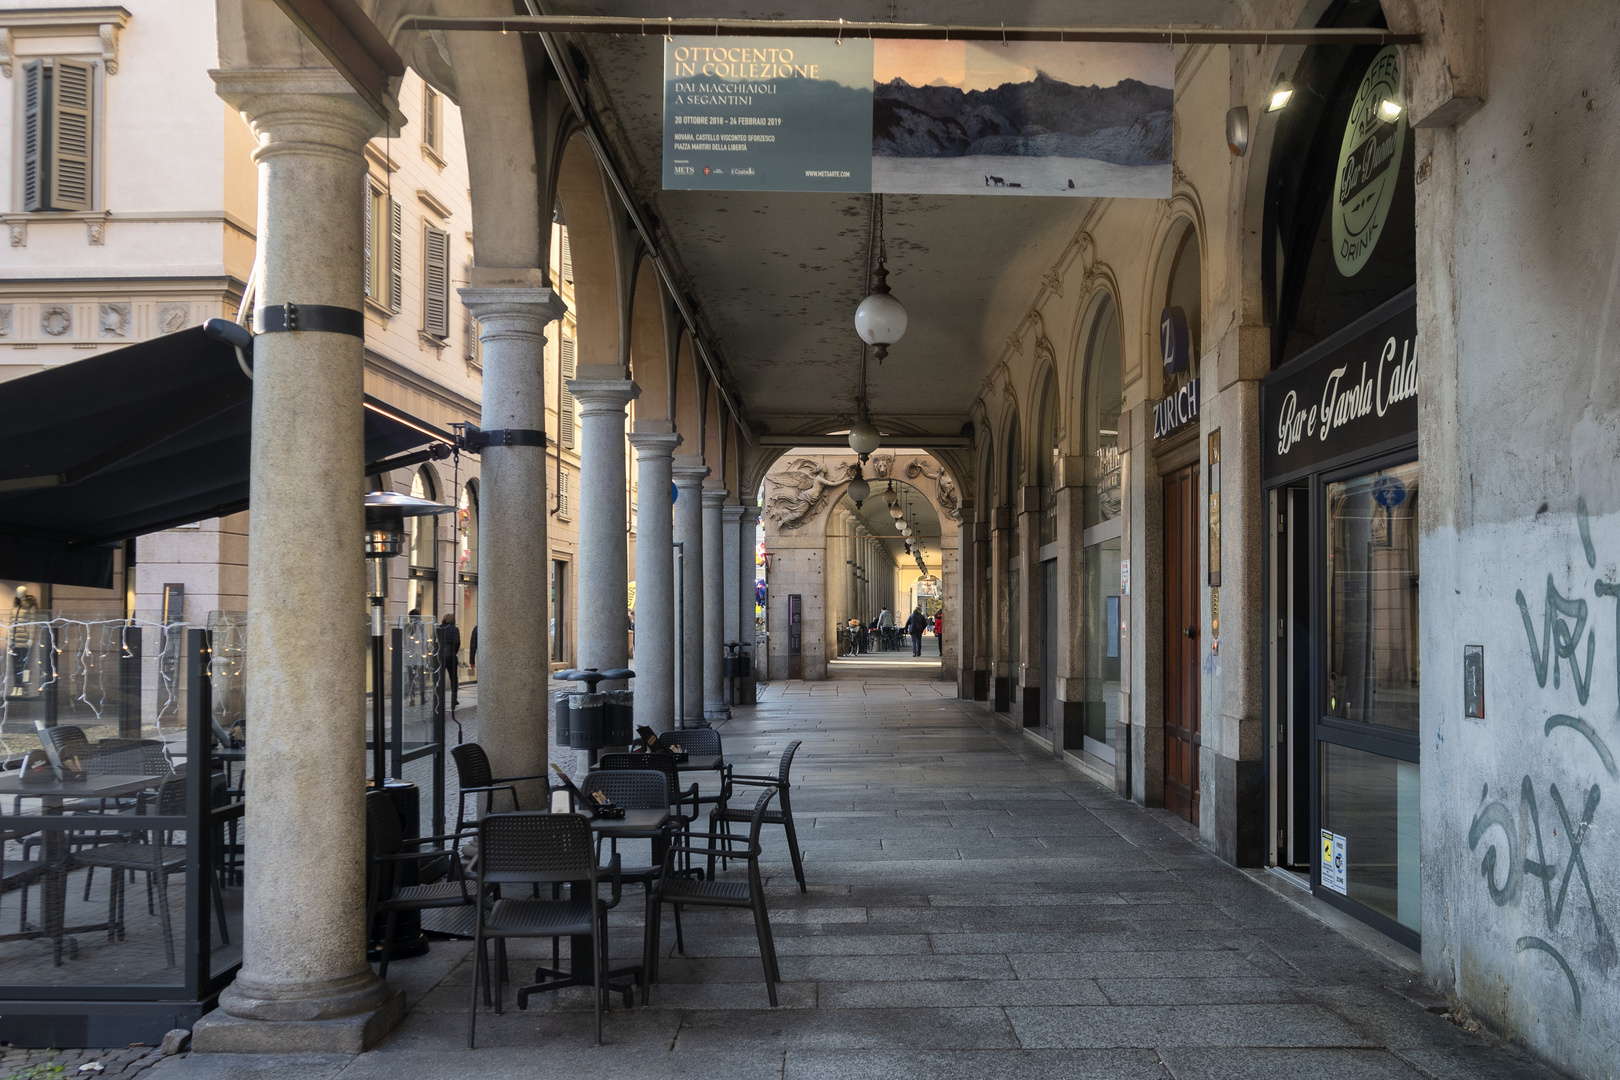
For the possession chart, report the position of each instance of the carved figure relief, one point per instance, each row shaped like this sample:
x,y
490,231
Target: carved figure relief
x,y
5,320
95,231
949,500
115,319
56,320
173,317
800,491
19,233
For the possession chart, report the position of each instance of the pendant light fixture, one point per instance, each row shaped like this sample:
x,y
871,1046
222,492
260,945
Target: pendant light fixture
x,y
859,489
880,319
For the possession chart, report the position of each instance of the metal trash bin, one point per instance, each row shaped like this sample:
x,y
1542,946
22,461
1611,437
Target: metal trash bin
x,y
618,718
585,721
562,721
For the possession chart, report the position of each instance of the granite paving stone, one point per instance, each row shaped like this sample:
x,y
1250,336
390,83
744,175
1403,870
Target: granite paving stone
x,y
976,911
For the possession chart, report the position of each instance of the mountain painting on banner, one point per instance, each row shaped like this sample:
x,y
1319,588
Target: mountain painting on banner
x,y
1026,118
924,117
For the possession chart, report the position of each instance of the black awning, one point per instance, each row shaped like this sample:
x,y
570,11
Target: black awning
x,y
132,441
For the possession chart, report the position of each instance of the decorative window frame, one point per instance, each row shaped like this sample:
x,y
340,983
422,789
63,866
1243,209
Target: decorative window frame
x,y
92,35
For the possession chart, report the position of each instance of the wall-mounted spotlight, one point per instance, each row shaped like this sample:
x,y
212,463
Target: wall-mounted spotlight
x,y
1237,129
1281,92
1389,110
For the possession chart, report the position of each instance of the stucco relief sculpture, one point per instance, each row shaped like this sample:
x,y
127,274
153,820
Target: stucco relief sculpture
x,y
800,491
5,320
56,320
172,317
949,501
115,319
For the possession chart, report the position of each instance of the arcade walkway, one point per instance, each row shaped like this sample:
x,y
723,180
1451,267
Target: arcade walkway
x,y
976,911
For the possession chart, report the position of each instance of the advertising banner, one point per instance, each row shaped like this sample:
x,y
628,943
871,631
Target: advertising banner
x,y
923,117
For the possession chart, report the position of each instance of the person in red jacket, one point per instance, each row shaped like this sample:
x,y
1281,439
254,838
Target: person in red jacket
x,y
939,630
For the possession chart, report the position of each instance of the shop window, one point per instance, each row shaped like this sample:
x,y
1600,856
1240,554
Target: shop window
x,y
1046,460
1104,495
1372,600
1339,155
422,536
1370,822
559,610
1100,611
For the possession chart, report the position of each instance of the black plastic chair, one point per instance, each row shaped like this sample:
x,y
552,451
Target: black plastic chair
x,y
536,848
388,845
723,815
635,789
694,892
475,777
155,857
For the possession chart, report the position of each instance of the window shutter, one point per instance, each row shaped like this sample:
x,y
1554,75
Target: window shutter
x,y
70,135
562,494
370,240
33,132
396,256
567,258
436,283
430,118
566,419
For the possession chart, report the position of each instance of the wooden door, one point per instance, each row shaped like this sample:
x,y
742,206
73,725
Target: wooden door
x,y
1181,642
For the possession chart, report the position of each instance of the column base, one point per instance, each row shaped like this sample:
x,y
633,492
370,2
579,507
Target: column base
x,y
712,713
221,1033
694,722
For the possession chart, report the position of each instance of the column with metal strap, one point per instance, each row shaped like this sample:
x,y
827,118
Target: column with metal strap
x,y
655,579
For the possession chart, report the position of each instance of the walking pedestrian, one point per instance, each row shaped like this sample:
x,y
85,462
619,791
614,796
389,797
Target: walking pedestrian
x,y
916,625
939,630
450,657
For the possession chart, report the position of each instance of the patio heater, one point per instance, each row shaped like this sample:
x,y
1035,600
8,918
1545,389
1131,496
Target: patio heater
x,y
386,512
385,537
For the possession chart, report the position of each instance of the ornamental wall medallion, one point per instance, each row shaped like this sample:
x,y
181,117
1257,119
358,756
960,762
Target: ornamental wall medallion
x,y
5,320
115,320
173,318
56,320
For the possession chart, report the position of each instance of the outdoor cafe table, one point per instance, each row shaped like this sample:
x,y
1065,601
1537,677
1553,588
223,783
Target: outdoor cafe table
x,y
699,763
52,795
635,825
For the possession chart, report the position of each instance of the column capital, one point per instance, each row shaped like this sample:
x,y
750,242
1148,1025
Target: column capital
x,y
598,396
302,110
689,470
654,444
715,497
733,515
514,304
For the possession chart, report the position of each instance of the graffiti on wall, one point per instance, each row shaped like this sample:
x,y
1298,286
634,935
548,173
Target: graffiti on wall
x,y
1540,837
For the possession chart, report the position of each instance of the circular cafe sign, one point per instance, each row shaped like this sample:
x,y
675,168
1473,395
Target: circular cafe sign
x,y
1369,163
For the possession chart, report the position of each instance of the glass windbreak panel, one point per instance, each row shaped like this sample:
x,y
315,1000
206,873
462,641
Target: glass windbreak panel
x,y
1101,649
1370,820
96,790
1372,609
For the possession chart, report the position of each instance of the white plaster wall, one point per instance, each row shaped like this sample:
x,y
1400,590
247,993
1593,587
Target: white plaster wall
x,y
1519,240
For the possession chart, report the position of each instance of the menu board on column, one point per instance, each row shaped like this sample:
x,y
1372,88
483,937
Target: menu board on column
x,y
926,117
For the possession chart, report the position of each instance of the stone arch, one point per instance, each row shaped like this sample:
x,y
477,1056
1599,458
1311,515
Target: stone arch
x,y
688,403
586,203
714,434
649,346
1165,243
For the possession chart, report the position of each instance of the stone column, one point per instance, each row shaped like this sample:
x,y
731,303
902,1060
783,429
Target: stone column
x,y
715,704
514,651
1026,667
655,579
603,595
747,544
688,472
304,984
